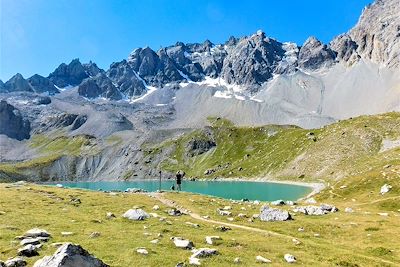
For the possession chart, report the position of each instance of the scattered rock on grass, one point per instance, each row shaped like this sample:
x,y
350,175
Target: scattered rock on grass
x,y
36,232
136,215
194,261
110,215
182,243
237,260
174,212
223,228
348,210
70,255
29,251
94,235
310,200
296,241
210,239
316,210
269,214
33,241
204,252
194,225
385,188
279,202
15,262
290,258
262,259
142,251
67,233
224,212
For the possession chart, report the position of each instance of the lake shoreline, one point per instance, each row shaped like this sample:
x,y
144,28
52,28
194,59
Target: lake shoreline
x,y
315,187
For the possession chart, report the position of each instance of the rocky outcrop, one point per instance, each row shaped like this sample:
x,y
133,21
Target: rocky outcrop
x,y
345,48
69,255
197,147
252,61
17,83
92,69
99,86
12,123
126,78
314,55
2,86
68,75
41,84
377,33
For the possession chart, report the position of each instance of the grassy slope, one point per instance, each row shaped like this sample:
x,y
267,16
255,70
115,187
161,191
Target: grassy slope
x,y
49,150
341,149
341,242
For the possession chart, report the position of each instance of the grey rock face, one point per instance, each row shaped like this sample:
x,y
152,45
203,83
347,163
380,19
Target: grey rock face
x,y
92,69
252,61
314,55
12,123
345,48
70,255
99,86
41,100
269,214
41,84
199,146
72,74
127,80
78,122
377,33
17,83
2,86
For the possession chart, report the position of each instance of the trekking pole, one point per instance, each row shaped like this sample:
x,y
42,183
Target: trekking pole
x,y
159,185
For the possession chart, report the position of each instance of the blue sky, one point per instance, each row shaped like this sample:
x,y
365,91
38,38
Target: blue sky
x,y
38,35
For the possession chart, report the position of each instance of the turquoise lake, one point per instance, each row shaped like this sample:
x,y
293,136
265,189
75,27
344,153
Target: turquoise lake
x,y
263,191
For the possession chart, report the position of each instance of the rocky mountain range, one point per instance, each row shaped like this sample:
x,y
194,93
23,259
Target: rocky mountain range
x,y
249,62
252,80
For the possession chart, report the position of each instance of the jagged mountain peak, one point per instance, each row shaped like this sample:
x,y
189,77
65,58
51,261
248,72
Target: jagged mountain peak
x,y
18,83
68,75
377,33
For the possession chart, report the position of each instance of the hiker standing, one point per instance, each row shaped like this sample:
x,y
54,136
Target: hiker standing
x,y
179,177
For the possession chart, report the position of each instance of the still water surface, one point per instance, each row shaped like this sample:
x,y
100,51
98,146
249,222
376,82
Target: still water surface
x,y
226,189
